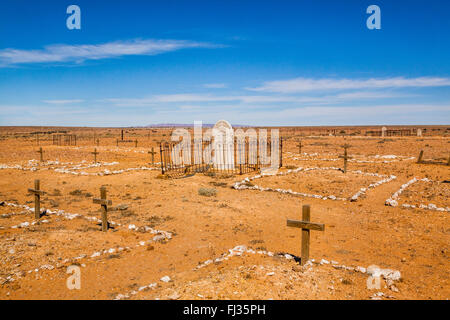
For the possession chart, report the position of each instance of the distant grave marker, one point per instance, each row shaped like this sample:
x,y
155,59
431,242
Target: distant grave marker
x,y
306,225
95,153
104,203
153,154
299,145
383,131
37,198
419,160
41,152
345,156
419,132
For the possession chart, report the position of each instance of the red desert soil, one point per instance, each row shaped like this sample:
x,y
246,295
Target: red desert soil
x,y
362,233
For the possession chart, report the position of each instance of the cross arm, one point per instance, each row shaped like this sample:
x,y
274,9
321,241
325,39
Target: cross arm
x,y
36,191
305,225
102,202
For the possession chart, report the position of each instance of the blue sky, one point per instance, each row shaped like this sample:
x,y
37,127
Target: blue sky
x,y
135,63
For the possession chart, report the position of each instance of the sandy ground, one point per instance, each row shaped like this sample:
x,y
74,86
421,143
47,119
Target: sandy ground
x,y
175,230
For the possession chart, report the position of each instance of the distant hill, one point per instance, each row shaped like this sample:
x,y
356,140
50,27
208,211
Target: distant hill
x,y
184,125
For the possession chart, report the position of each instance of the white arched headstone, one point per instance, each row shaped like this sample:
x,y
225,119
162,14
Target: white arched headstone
x,y
419,132
383,131
223,145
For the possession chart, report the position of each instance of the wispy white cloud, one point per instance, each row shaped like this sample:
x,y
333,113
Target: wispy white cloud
x,y
309,84
63,101
215,85
248,99
79,53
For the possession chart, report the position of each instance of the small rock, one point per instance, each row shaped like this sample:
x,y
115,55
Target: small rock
x,y
165,279
174,296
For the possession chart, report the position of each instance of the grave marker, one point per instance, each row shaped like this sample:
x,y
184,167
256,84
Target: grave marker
x,y
306,226
153,155
41,159
104,203
419,160
37,198
345,156
383,131
299,145
419,132
95,153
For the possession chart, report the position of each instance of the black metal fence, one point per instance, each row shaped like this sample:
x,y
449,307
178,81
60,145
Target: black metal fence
x,y
240,157
65,139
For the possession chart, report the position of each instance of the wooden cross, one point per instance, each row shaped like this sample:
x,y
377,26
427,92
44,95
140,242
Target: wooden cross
x,y
135,143
305,225
41,152
153,155
95,153
448,162
419,160
345,156
37,198
299,145
104,203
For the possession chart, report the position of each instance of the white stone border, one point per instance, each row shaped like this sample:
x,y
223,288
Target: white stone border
x,y
243,184
393,200
389,275
394,158
49,165
158,236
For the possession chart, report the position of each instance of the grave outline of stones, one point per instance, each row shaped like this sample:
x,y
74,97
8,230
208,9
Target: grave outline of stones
x,y
392,200
306,225
241,185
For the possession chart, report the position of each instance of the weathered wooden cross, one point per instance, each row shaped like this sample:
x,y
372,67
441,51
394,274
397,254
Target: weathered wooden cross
x,y
135,143
37,198
153,155
345,156
299,145
104,203
95,153
41,159
305,225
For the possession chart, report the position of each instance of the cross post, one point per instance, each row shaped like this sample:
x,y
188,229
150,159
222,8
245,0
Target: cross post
x,y
95,153
104,203
345,156
306,225
299,145
419,160
37,198
153,154
41,159
135,143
